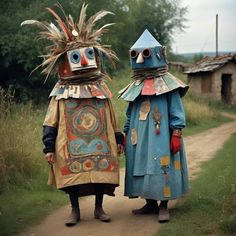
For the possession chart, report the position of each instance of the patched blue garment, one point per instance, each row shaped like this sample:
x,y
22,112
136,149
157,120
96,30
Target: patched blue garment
x,y
152,172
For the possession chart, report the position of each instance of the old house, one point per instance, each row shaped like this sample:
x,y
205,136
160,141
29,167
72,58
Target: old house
x,y
179,66
214,77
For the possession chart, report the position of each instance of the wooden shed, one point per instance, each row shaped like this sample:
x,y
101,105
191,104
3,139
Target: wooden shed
x,y
214,77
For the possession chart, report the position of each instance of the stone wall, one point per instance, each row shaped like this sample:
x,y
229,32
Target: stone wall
x,y
195,82
230,68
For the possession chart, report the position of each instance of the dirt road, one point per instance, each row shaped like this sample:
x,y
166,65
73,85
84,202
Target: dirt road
x,y
199,148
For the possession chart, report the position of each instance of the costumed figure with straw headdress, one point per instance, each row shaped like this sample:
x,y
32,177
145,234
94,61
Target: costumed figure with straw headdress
x,y
80,132
156,167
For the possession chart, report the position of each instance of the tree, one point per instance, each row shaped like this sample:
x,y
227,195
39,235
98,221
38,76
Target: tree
x,y
19,50
163,18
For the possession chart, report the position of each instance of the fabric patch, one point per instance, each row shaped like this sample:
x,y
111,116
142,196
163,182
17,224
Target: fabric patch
x,y
160,86
144,110
134,136
165,161
87,136
65,170
157,119
166,191
86,164
75,167
148,87
177,164
86,126
93,89
103,164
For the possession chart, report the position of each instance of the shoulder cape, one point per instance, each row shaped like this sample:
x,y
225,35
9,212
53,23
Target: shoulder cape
x,y
153,86
97,89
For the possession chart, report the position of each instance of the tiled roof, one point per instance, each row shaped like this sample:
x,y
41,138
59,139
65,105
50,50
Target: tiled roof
x,y
209,64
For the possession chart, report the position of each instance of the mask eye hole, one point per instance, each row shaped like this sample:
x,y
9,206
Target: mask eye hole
x,y
89,52
146,52
133,53
75,57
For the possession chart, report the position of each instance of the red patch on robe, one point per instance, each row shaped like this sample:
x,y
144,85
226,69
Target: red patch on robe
x,y
148,87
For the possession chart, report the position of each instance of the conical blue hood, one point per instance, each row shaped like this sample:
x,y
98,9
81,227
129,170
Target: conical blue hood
x,y
147,53
146,40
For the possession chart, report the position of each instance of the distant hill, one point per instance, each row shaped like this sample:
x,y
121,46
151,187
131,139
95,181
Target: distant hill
x,y
210,54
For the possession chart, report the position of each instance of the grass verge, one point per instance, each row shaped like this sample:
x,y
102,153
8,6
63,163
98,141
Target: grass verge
x,y
210,207
205,124
27,205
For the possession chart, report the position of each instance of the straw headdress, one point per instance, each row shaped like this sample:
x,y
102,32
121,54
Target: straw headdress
x,y
69,34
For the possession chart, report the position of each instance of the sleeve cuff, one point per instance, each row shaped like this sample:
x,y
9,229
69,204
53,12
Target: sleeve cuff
x,y
119,138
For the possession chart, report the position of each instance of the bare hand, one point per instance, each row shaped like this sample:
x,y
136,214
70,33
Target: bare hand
x,y
50,157
120,148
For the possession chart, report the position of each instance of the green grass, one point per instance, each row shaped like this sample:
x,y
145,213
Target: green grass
x,y
119,81
210,207
216,105
21,147
21,207
205,124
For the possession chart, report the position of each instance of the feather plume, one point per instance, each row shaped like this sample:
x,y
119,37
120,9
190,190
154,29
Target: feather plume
x,y
81,23
61,24
71,22
67,35
93,19
35,23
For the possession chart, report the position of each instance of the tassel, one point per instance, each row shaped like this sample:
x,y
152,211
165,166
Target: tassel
x,y
157,129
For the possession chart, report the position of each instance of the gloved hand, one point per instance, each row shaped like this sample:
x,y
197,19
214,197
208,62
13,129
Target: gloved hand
x,y
175,143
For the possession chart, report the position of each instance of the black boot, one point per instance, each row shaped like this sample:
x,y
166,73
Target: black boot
x,y
151,207
164,215
99,212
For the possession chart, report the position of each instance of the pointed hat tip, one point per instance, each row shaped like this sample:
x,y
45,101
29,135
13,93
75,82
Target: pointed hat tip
x,y
146,40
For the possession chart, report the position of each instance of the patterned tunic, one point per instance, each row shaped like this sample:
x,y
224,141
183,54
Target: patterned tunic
x,y
86,149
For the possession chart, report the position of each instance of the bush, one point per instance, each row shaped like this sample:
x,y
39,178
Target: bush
x,y
229,225
197,112
20,142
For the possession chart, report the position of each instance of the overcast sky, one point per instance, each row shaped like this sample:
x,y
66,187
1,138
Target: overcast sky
x,y
201,31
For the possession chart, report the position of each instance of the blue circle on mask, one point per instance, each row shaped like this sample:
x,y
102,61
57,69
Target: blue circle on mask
x,y
75,57
89,52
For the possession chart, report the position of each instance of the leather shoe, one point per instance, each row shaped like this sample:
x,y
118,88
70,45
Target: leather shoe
x,y
73,218
101,215
146,209
164,215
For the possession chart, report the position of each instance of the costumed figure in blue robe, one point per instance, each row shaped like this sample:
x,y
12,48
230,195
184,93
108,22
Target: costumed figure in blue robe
x,y
156,167
81,135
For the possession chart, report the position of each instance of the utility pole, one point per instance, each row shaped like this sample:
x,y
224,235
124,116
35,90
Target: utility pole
x,y
216,34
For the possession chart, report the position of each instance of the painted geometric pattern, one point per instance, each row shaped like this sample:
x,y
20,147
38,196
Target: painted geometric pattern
x,y
94,163
88,147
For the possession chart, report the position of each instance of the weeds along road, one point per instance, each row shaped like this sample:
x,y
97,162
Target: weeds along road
x,y
200,148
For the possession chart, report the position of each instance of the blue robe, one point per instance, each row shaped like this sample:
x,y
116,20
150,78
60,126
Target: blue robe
x,y
152,172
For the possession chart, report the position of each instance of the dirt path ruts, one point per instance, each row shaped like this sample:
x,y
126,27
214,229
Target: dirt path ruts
x,y
200,147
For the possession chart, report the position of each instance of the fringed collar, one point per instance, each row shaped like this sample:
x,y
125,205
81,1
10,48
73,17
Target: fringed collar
x,y
142,74
152,85
90,89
